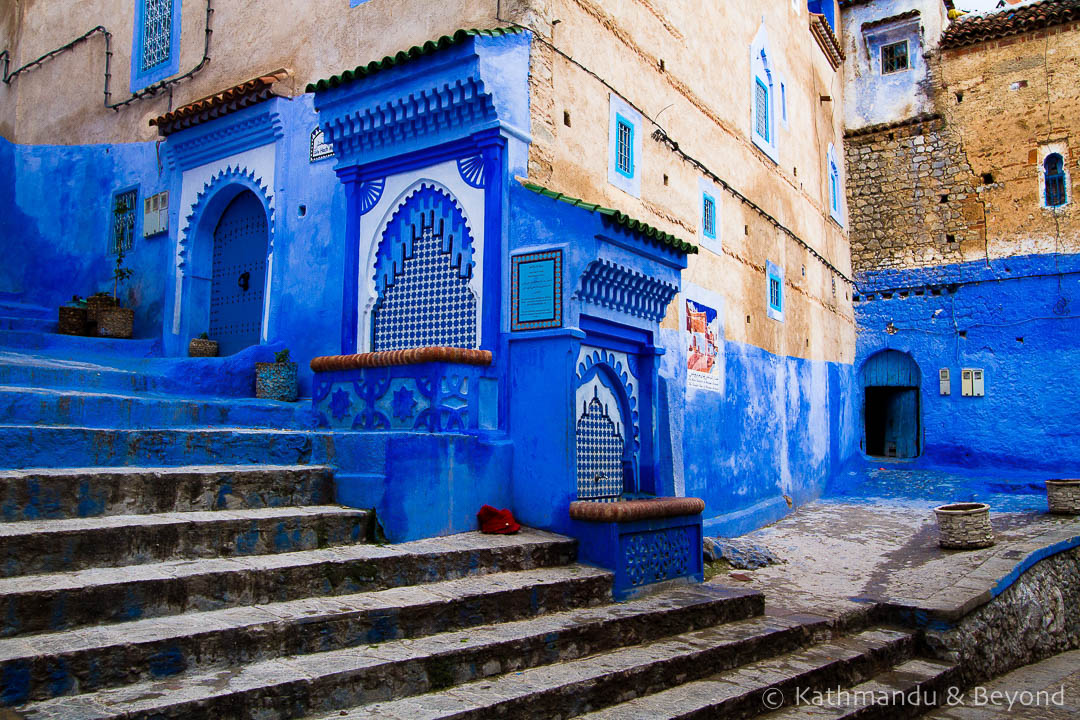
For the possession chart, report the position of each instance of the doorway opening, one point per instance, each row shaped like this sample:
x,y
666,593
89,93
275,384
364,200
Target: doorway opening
x,y
891,406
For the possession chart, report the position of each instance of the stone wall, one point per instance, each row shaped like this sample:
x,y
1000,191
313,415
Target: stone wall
x,y
1032,620
913,200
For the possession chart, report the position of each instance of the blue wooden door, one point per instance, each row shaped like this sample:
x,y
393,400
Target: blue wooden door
x,y
239,275
902,423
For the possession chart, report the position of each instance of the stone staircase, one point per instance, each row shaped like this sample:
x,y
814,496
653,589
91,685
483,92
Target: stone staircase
x,y
165,554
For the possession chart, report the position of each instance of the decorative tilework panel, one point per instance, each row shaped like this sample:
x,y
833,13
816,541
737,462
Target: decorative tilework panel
x,y
658,555
422,275
599,454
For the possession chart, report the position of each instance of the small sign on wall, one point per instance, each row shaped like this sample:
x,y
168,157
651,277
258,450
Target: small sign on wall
x,y
320,149
536,290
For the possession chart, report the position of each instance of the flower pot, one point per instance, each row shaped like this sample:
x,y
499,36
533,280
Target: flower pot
x,y
275,381
964,526
96,303
1063,496
71,321
116,322
201,347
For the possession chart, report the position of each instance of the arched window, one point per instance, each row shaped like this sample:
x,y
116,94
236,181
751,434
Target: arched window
x,y
836,188
1054,180
763,95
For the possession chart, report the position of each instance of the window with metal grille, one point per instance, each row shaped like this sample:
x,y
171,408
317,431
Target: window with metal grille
x,y
708,216
774,293
624,148
1054,178
761,107
894,57
834,189
123,220
156,33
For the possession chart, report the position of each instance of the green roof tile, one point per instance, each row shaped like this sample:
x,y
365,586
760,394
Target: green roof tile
x,y
658,236
404,56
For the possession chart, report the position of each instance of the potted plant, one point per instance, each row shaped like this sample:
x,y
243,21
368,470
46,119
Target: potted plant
x,y
1063,496
276,380
71,318
202,346
964,526
116,321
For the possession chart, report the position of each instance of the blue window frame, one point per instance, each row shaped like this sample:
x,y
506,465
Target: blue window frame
x,y
1054,180
826,8
834,196
761,107
624,146
776,297
123,220
774,276
155,48
708,216
835,187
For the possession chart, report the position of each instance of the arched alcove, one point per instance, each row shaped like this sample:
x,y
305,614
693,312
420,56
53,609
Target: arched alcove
x,y
891,405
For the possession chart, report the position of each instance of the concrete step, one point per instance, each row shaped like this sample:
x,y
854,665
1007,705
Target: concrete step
x,y
42,371
27,324
290,687
24,341
61,601
13,308
90,659
760,686
908,690
72,492
60,406
28,446
50,546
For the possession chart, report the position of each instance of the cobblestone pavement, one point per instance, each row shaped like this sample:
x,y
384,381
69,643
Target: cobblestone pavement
x,y
1047,690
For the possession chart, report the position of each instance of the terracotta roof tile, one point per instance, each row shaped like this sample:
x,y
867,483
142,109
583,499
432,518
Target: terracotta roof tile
x,y
1014,21
221,103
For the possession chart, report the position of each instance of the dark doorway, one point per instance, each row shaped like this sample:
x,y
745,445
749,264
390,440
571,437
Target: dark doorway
x,y
892,421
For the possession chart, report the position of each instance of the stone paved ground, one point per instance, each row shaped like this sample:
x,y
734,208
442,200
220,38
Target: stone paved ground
x,y
843,556
1047,690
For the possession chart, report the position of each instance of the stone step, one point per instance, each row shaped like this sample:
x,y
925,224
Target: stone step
x,y
50,546
93,658
26,446
61,601
908,690
290,687
41,371
58,406
570,688
763,685
13,308
72,492
24,341
28,324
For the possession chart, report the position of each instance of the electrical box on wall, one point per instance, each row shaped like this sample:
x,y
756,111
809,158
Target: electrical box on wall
x,y
972,382
156,214
944,381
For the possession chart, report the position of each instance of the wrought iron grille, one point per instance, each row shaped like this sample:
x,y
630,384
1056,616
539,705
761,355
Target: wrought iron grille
x,y
709,216
625,149
1054,168
156,32
761,100
774,293
123,228
599,454
894,57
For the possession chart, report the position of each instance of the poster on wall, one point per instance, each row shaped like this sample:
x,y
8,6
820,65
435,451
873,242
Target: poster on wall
x,y
703,352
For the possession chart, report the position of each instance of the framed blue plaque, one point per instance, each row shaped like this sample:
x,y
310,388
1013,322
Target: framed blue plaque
x,y
536,290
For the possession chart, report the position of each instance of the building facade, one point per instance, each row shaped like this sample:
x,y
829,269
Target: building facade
x,y
630,229
964,232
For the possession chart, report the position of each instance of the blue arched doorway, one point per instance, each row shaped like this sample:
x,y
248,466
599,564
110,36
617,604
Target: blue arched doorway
x,y
891,405
238,275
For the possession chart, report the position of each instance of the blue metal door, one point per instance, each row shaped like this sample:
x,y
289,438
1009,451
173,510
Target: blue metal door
x,y
239,274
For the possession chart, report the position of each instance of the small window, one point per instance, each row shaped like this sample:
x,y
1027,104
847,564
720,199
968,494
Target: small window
x,y
155,44
156,33
836,188
123,221
761,107
783,103
1054,179
774,294
894,57
708,216
624,147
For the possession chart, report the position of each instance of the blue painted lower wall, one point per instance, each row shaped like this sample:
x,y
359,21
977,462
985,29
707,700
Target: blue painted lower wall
x,y
1018,320
768,441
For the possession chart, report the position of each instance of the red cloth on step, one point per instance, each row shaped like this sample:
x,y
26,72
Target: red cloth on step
x,y
500,522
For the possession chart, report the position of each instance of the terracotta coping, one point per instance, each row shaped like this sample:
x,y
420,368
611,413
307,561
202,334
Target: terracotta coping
x,y
628,510
237,97
1008,22
413,356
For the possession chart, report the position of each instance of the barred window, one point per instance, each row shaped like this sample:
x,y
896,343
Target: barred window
x,y
774,293
894,57
1054,177
761,105
123,220
708,216
156,33
624,148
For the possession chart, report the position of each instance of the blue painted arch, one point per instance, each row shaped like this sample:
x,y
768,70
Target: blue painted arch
x,y
196,247
890,368
892,405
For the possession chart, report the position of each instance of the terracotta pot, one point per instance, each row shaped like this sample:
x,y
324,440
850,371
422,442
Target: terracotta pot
x,y
202,347
116,322
275,381
71,321
964,526
1063,496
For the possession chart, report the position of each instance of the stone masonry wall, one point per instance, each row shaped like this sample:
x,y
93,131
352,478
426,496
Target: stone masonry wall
x,y
912,195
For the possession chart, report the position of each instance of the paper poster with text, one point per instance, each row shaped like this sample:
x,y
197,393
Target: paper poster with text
x,y
703,352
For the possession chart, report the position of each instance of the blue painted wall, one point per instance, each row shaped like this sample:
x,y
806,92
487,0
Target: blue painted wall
x,y
1018,319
